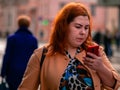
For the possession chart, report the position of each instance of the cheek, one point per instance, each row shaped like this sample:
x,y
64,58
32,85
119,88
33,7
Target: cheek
x,y
87,33
72,35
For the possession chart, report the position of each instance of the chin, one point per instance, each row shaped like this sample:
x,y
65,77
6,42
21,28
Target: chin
x,y
80,43
77,45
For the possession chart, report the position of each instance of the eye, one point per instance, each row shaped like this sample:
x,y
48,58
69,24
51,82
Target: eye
x,y
78,26
87,27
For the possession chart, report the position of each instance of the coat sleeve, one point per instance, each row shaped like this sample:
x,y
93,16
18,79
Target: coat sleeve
x,y
8,55
31,78
114,72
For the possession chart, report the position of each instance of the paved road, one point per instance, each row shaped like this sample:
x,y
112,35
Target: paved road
x,y
115,60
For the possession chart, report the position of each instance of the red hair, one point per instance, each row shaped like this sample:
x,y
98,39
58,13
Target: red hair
x,y
60,26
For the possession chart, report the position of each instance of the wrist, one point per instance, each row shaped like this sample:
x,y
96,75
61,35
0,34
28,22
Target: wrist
x,y
101,68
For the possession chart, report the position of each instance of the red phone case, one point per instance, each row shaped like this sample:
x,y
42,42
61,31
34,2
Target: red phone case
x,y
93,49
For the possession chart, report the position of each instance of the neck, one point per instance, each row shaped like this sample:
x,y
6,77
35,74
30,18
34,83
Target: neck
x,y
72,51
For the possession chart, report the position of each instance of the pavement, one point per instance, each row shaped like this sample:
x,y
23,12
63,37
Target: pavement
x,y
115,59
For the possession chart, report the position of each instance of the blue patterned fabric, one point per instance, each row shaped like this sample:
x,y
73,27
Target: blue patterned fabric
x,y
76,76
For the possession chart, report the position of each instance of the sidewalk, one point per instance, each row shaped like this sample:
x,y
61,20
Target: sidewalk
x,y
115,60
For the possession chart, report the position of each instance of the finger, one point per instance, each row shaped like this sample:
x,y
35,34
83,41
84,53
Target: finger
x,y
87,59
88,62
92,55
100,54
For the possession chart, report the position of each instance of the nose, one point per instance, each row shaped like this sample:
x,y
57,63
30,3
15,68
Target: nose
x,y
82,31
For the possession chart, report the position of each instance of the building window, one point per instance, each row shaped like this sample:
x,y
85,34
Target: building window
x,y
93,11
21,2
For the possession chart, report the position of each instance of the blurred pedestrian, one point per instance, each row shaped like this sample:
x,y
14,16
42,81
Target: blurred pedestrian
x,y
107,39
98,37
117,39
19,48
66,65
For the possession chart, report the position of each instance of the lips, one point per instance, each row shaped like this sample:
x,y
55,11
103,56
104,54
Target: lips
x,y
80,39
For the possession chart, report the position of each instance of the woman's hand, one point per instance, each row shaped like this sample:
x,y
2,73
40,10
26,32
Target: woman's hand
x,y
93,61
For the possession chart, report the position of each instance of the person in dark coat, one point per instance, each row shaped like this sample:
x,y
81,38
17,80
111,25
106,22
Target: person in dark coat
x,y
19,48
117,39
98,37
107,41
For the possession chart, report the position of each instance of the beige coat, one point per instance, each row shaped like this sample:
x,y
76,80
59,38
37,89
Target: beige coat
x,y
52,70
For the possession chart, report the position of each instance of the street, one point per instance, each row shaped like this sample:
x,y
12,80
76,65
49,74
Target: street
x,y
115,60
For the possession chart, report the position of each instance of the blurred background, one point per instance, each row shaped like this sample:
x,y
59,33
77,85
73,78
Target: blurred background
x,y
105,14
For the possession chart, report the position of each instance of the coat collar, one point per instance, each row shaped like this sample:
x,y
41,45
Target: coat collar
x,y
80,56
23,29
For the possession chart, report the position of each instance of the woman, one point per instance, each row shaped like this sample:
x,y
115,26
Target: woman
x,y
66,66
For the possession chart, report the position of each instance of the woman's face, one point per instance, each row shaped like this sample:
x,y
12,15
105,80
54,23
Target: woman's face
x,y
78,31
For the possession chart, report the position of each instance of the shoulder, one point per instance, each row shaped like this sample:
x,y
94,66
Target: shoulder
x,y
33,37
38,52
11,37
35,57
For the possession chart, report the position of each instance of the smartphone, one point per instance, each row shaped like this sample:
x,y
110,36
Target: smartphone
x,y
93,49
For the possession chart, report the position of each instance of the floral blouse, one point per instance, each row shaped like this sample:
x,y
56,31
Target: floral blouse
x,y
76,76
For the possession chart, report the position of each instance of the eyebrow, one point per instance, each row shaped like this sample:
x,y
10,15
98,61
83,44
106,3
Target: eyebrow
x,y
81,24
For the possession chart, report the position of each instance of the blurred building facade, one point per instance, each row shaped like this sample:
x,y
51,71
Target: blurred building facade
x,y
43,12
